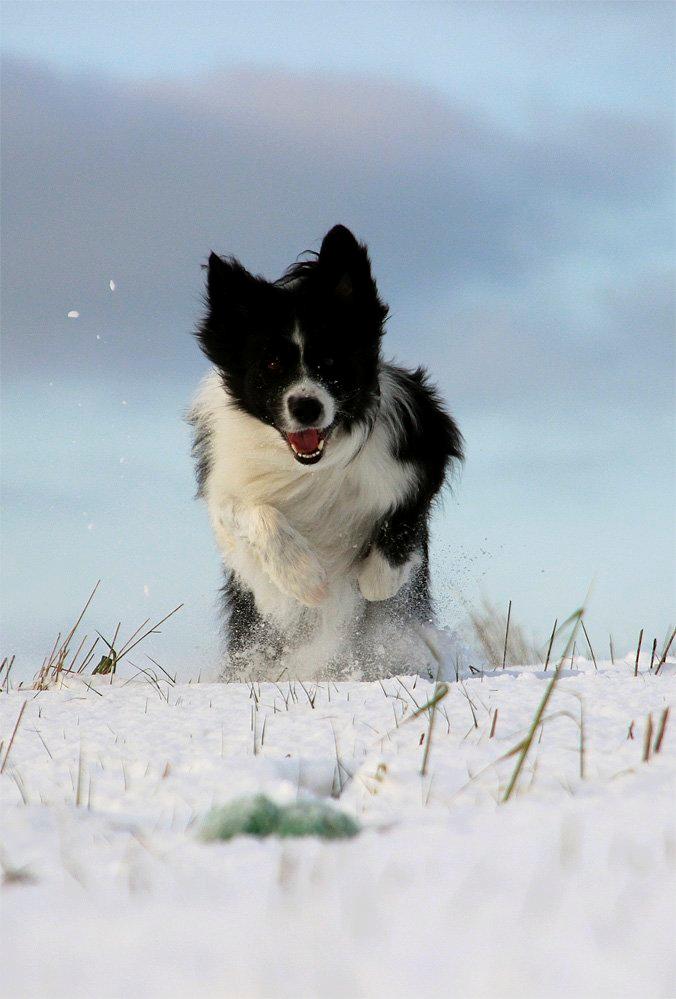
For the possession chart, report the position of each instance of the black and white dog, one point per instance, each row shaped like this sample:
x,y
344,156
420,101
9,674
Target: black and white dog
x,y
318,463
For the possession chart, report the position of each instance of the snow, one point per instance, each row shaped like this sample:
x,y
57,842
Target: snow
x,y
568,889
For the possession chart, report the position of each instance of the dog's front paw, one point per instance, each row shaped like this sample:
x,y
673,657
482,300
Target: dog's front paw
x,y
299,574
378,580
287,558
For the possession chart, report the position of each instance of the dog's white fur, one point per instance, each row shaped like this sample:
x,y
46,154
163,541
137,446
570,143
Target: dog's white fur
x,y
295,535
378,580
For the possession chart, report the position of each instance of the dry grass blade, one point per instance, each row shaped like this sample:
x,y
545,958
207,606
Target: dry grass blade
x,y
109,663
47,749
490,628
13,737
340,766
135,633
638,652
663,657
93,689
80,779
435,701
311,700
472,706
82,614
551,642
76,655
493,724
504,651
55,664
664,718
539,714
591,651
439,693
170,678
151,678
412,698
647,739
6,667
126,649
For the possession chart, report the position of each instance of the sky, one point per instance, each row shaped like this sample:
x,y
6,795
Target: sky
x,y
510,167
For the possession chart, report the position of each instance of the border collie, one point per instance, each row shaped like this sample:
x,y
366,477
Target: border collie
x,y
319,463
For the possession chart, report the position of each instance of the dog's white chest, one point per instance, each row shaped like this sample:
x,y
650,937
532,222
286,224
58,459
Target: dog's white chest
x,y
335,506
337,512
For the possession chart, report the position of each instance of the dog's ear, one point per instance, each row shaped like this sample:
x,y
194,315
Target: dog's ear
x,y
230,294
229,285
345,269
344,264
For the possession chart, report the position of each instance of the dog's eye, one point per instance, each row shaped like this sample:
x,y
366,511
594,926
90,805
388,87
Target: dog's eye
x,y
327,362
273,364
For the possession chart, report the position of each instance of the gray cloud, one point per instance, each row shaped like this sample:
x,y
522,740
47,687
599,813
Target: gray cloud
x,y
136,182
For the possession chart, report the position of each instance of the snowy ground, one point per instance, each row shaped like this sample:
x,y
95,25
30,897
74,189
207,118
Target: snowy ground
x,y
569,889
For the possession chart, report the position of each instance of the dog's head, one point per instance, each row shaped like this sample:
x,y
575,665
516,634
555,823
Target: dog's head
x,y
300,354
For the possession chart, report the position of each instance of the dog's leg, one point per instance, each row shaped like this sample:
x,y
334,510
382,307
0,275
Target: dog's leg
x,y
253,641
283,553
396,551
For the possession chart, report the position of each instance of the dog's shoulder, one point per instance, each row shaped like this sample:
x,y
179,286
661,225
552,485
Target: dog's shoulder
x,y
423,433
200,418
220,431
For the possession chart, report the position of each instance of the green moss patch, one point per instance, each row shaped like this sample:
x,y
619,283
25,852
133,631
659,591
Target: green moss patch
x,y
258,816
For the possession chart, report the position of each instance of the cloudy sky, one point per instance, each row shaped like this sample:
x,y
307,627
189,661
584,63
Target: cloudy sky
x,y
510,166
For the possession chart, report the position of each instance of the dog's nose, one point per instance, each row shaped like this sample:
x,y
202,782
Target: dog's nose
x,y
305,408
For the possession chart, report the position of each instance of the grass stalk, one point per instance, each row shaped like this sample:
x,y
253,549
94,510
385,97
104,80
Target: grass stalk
x,y
551,642
493,724
589,644
55,663
7,664
663,657
664,718
527,742
504,651
80,779
647,739
13,736
638,652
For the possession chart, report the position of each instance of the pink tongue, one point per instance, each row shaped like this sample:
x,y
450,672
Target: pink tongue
x,y
305,441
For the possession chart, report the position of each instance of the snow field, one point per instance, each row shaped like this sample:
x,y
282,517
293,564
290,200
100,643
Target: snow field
x,y
568,889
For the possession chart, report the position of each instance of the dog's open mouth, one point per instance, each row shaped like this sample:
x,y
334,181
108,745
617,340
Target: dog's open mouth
x,y
307,446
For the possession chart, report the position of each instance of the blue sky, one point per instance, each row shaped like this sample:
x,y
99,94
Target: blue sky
x,y
510,166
